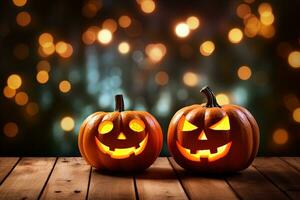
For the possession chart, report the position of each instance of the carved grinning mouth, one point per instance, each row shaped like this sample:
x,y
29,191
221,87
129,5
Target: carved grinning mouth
x,y
206,153
121,153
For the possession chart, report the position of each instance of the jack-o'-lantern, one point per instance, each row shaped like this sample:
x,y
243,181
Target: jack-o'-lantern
x,y
213,138
120,140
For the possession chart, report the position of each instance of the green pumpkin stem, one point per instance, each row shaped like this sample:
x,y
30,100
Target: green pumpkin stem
x,y
211,99
119,106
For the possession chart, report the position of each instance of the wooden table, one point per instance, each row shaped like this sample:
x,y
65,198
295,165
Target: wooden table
x,y
71,178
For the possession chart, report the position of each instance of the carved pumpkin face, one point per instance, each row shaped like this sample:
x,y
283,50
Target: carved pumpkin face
x,y
211,138
120,140
203,140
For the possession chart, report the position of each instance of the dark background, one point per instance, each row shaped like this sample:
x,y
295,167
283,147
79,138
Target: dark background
x,y
97,72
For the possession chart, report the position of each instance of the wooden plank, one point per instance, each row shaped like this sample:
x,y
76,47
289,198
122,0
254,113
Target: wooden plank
x,y
159,182
110,186
281,174
6,165
199,187
69,179
27,179
250,184
293,161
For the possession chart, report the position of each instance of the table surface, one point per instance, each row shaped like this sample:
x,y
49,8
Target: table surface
x,y
71,178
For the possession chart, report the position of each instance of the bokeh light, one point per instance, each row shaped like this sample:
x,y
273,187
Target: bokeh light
x,y
104,36
10,129
42,77
161,78
222,99
21,98
32,108
61,47
294,59
296,115
43,65
19,3
156,52
244,72
182,30
264,7
148,6
207,48
243,10
64,86
110,24
14,81
235,35
124,47
280,136
124,21
8,92
23,18
191,79
193,22
67,123
46,40
90,35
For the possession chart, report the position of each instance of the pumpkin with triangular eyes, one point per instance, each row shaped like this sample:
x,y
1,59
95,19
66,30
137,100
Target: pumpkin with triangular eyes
x,y
120,140
213,138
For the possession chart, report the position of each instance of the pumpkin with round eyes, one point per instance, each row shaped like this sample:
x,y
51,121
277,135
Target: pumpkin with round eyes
x,y
120,140
211,138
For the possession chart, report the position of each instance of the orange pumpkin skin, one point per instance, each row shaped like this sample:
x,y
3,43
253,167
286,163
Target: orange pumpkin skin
x,y
91,142
240,138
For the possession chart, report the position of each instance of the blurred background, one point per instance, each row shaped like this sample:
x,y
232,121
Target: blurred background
x,y
60,61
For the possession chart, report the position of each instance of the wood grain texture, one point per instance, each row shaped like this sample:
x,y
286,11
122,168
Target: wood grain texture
x,y
111,186
69,180
281,174
159,182
293,161
250,184
200,187
6,165
27,179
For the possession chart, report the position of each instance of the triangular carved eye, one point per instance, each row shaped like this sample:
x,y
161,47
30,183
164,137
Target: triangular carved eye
x,y
223,124
188,126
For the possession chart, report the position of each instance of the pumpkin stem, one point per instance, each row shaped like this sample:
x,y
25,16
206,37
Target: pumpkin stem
x,y
119,106
211,99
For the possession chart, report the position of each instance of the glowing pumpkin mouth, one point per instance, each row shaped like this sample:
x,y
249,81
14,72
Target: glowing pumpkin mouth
x,y
221,152
121,153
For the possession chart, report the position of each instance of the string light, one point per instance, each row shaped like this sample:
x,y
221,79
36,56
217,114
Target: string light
x,y
235,35
244,72
294,59
182,30
104,36
124,47
67,123
64,86
10,129
280,136
207,48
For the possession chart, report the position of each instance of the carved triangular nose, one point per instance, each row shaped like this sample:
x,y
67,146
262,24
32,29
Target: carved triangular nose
x,y
202,136
121,136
